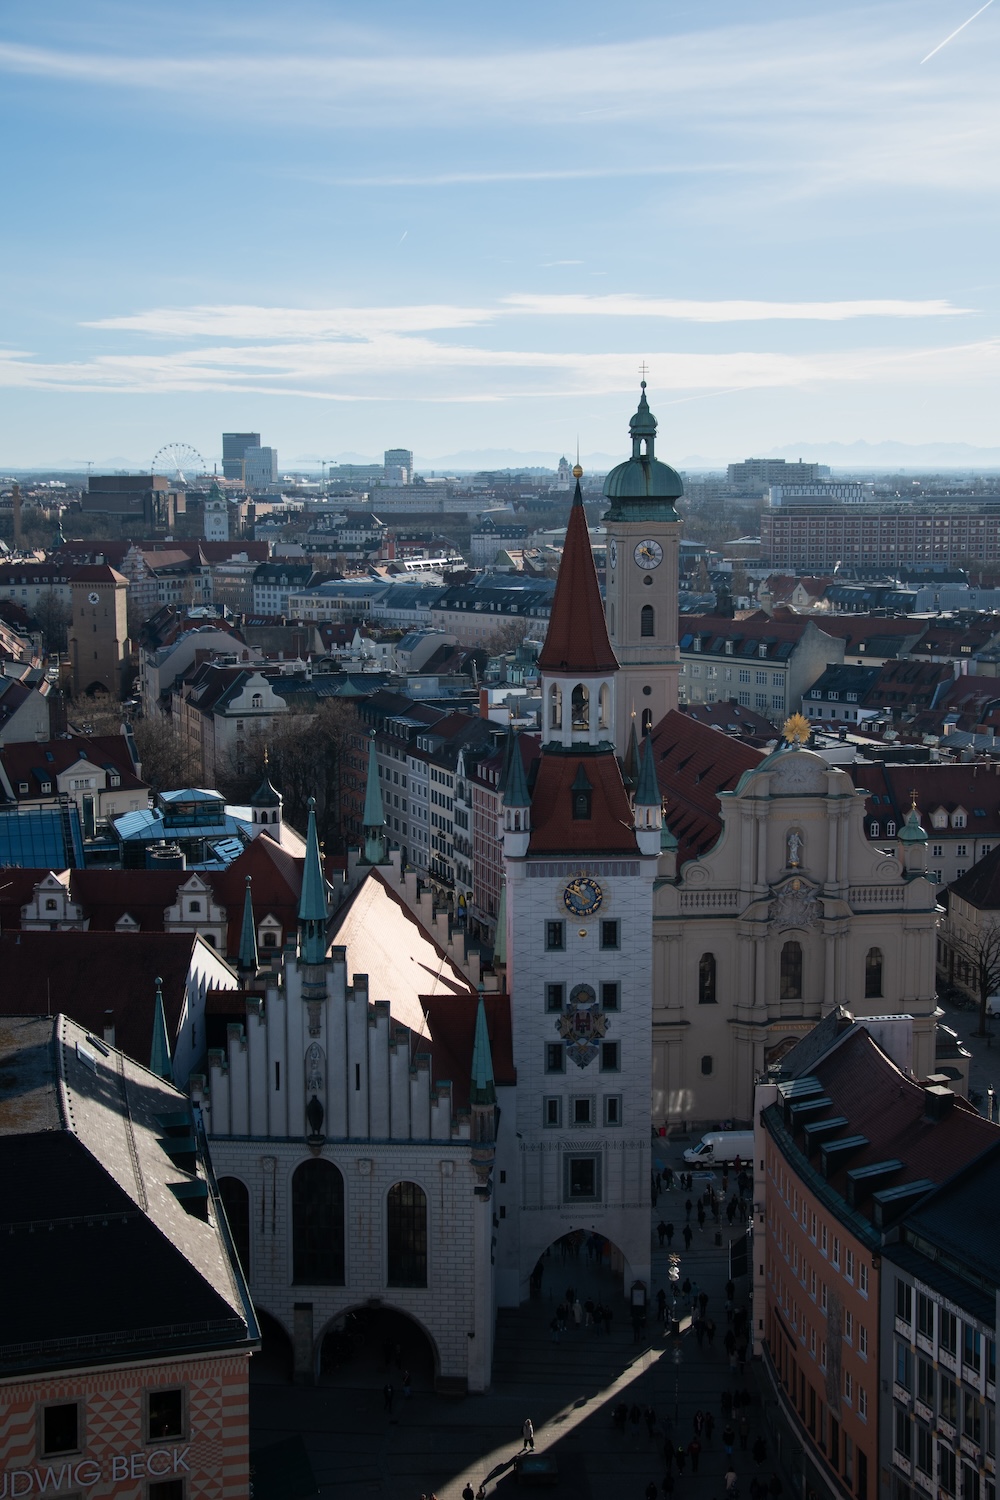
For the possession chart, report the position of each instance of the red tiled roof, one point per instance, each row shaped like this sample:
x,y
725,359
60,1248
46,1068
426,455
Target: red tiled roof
x,y
87,974
97,573
21,759
554,830
577,637
888,1107
693,764
452,1021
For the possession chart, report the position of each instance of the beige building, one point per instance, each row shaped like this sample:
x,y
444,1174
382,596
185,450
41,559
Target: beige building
x,y
788,913
98,632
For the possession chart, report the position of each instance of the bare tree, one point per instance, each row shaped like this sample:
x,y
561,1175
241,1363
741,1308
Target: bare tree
x,y
53,616
507,637
975,963
168,760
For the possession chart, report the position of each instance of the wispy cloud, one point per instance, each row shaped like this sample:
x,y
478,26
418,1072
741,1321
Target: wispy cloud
x,y
627,305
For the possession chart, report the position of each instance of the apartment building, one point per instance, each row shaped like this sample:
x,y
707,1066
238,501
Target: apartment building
x,y
764,664
817,534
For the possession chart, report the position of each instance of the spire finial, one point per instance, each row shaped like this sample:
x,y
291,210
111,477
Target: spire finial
x,y
577,467
159,1052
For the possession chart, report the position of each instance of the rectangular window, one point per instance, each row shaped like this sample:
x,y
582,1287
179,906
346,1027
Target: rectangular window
x,y
552,1110
166,1489
609,934
835,1257
555,1057
60,1429
554,996
972,1347
971,1488
822,1240
904,1433
925,1382
612,1109
904,1300
610,995
946,1469
862,1341
925,1450
948,1331
582,1111
925,1315
862,1403
863,1279
555,937
849,1265
610,1057
972,1420
582,1179
948,1407
848,1387
849,1327
904,1366
164,1415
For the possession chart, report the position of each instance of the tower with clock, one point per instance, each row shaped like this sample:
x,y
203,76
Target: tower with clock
x,y
580,855
98,634
643,530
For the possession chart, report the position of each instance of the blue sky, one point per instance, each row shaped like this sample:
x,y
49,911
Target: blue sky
x,y
455,227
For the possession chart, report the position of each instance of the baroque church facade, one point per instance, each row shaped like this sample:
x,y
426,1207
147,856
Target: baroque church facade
x,y
394,1129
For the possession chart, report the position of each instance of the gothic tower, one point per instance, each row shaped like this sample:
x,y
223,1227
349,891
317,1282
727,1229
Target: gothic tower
x,y
643,545
580,862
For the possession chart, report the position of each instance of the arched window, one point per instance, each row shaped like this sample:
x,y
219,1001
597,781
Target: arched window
x,y
874,833
706,1064
646,621
51,904
791,971
890,830
604,707
318,1224
873,974
406,1235
194,906
236,1201
706,979
257,701
581,707
555,706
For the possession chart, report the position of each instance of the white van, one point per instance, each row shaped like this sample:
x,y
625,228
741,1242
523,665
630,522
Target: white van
x,y
721,1146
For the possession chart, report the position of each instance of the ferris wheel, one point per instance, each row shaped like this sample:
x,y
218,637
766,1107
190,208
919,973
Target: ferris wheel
x,y
179,462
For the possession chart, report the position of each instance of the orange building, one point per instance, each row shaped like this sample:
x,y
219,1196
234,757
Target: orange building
x,y
127,1328
849,1141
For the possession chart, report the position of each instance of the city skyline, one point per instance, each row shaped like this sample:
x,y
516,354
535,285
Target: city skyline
x,y
348,231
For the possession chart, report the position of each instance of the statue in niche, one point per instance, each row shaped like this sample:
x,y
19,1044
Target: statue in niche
x,y
314,1116
794,850
314,1069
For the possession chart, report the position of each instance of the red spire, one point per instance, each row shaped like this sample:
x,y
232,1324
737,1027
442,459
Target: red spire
x,y
577,639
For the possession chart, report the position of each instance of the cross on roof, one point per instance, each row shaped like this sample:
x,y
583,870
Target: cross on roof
x,y
643,370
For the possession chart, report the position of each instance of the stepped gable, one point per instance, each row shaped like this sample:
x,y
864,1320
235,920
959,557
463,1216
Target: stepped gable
x,y
554,830
452,1023
87,974
694,763
577,637
404,964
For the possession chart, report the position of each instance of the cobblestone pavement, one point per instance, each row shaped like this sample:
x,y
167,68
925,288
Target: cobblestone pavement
x,y
569,1389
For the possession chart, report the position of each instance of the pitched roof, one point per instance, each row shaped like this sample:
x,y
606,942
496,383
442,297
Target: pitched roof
x,y
980,886
452,1023
577,637
554,829
404,964
86,975
123,1269
694,763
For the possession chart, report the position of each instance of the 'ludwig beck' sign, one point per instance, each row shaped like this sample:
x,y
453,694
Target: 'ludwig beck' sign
x,y
82,1473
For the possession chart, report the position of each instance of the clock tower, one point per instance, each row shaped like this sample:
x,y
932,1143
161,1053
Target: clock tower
x,y
580,857
643,530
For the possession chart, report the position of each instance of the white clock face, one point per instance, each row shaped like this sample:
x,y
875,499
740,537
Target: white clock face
x,y
648,554
613,554
94,598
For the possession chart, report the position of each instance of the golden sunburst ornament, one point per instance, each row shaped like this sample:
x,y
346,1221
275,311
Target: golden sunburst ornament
x,y
797,730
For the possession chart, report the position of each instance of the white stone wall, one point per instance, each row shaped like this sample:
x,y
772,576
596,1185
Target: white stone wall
x,y
543,1212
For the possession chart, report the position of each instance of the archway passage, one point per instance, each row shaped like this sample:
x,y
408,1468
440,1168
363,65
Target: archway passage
x,y
274,1362
586,1263
373,1346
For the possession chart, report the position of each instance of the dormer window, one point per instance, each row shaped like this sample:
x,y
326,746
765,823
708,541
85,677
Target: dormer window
x,y
958,819
257,701
762,650
729,648
46,786
939,819
696,643
582,794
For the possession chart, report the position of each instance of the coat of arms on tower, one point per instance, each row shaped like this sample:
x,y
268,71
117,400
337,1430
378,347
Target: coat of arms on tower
x,y
582,1025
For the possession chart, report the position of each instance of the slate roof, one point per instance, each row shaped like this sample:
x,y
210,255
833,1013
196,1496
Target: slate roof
x,y
980,886
960,1222
452,1023
34,763
121,1270
969,785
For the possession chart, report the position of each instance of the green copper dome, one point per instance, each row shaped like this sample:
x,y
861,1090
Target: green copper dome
x,y
642,478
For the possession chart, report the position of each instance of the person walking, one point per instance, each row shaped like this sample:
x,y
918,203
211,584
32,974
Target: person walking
x,y
661,1230
687,1210
701,1218
387,1395
694,1454
744,1431
687,1236
527,1434
709,1427
467,1493
728,1438
759,1452
730,1480
670,1235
